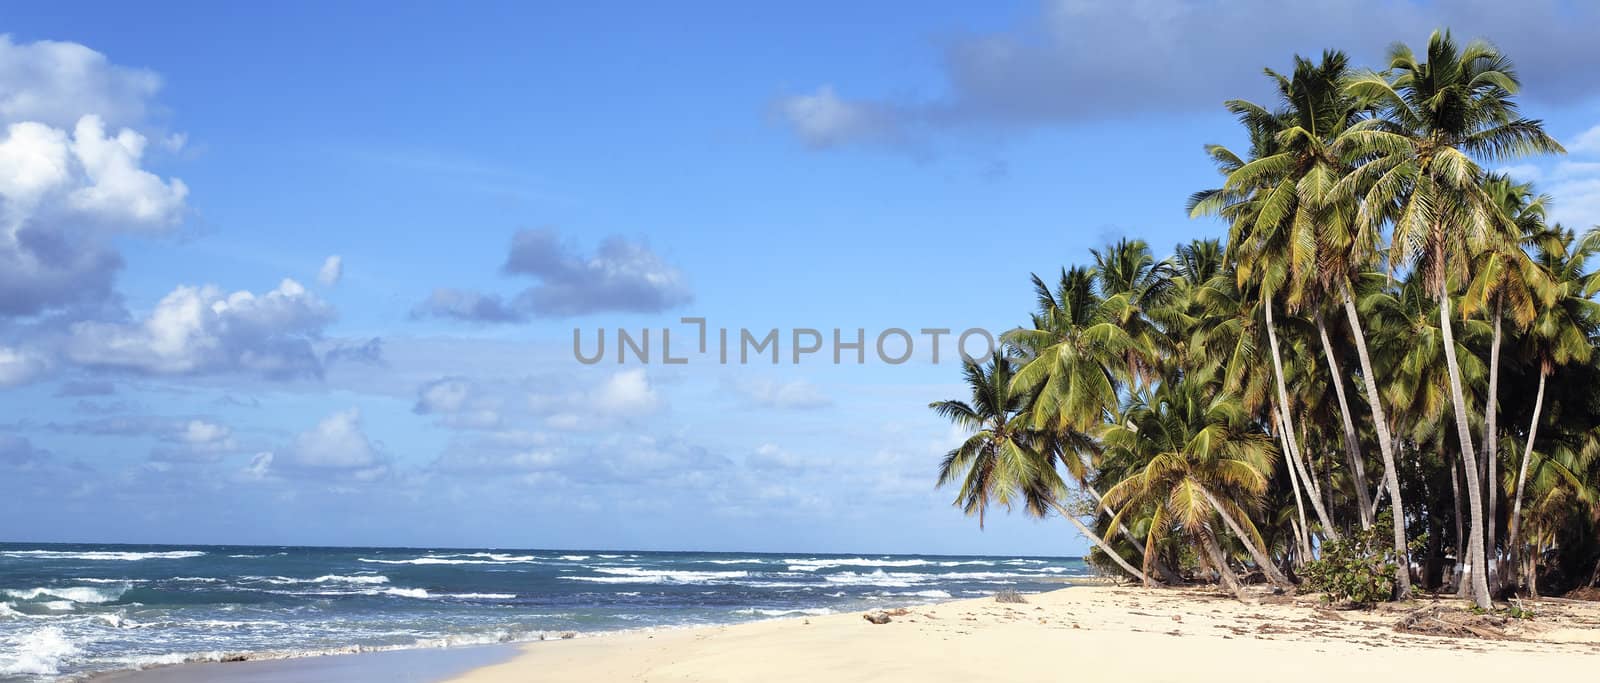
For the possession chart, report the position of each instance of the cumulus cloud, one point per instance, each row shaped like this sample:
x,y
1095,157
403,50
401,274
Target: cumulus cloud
x,y
457,402
20,366
332,270
627,393
1075,60
60,196
71,173
196,440
621,276
821,119
336,444
57,82
199,330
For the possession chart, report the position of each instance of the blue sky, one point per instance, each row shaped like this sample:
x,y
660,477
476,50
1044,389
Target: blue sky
x,y
180,362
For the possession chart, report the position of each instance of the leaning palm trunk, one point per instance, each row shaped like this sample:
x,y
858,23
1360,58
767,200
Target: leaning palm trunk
x,y
1262,559
1219,561
1476,566
1522,475
1302,530
1380,424
1288,421
1491,409
1298,467
1352,442
1138,546
1102,545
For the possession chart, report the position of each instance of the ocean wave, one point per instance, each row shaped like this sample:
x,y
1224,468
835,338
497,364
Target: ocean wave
x,y
927,594
79,594
482,596
811,565
406,592
358,579
574,558
636,575
745,561
39,652
878,578
470,558
101,555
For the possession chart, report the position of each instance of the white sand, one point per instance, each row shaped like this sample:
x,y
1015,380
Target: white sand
x,y
1078,633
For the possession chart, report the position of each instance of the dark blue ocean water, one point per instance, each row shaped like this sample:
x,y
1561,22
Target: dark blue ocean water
x,y
73,610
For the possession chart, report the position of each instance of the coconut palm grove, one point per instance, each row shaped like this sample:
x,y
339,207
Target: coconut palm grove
x,y
1382,381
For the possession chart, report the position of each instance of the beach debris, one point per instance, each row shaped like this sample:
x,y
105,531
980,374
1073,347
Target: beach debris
x,y
568,635
877,617
1009,595
1439,621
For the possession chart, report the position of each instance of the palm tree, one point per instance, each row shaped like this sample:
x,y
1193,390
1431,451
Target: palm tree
x,y
1436,115
1562,332
1268,226
1001,463
1504,283
1196,460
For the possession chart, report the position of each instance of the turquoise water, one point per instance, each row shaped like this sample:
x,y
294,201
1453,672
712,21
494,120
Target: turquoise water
x,y
73,610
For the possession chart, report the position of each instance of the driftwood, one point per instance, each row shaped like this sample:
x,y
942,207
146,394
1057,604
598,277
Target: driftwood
x,y
1436,621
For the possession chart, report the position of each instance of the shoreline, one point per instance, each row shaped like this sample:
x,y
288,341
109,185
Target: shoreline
x,y
1093,626
1101,631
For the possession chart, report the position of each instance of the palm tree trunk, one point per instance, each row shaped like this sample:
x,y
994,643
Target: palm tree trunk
x,y
1138,545
1491,409
1262,559
1102,545
1476,560
1287,417
1456,572
1208,542
1302,530
1312,491
1522,473
1380,424
1352,442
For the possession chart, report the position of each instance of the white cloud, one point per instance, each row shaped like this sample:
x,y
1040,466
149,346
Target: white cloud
x,y
201,330
206,435
332,270
20,366
71,174
458,403
57,82
627,393
823,120
338,443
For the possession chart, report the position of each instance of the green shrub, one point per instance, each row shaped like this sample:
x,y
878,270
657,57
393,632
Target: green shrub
x,y
1359,568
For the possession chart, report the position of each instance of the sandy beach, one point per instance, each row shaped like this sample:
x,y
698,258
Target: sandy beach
x,y
1098,632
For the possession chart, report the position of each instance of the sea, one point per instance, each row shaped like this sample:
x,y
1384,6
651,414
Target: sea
x,y
71,611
